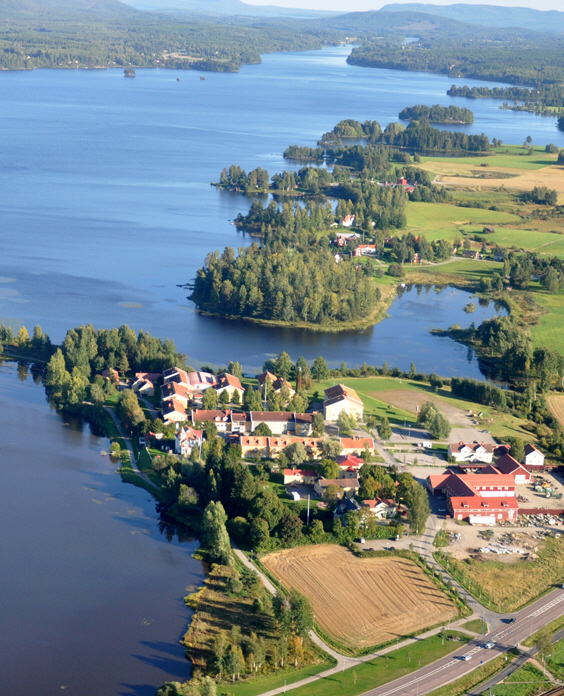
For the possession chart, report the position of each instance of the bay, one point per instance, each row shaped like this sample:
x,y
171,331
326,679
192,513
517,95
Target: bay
x,y
91,589
106,206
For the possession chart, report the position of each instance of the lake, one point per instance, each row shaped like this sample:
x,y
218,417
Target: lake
x,y
91,589
107,207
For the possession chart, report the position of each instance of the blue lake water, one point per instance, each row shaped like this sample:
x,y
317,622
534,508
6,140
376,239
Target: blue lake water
x,y
106,206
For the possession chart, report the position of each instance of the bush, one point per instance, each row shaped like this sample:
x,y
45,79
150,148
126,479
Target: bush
x,y
396,270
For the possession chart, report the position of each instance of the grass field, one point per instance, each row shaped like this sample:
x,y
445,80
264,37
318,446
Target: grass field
x,y
259,685
526,681
388,597
523,581
514,159
442,220
556,405
467,271
385,669
555,662
553,626
549,332
477,626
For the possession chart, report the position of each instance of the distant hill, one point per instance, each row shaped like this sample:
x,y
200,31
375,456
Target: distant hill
x,y
415,24
489,15
65,9
225,7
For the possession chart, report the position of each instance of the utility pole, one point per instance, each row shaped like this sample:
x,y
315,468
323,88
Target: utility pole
x,y
308,498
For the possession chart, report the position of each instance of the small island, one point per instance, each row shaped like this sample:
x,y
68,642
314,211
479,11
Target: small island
x,y
129,72
437,114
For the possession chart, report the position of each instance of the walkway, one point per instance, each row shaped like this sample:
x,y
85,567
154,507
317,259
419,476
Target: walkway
x,y
132,457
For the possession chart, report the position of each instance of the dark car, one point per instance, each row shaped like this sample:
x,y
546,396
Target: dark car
x,y
510,621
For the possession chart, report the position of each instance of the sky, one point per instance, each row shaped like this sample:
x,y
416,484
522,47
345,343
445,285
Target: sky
x,y
363,5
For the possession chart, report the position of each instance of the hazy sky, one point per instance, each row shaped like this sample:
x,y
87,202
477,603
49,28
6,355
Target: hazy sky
x,y
360,5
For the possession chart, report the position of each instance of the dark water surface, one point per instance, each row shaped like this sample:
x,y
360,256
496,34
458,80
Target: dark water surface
x,y
90,590
106,206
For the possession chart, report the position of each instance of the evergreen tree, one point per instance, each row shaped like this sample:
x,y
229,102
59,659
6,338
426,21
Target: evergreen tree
x,y
320,370
385,430
214,533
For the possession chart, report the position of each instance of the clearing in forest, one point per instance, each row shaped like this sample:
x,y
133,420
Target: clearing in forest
x,y
362,602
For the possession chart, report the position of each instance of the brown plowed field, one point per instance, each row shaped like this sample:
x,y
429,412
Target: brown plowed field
x,y
556,405
361,602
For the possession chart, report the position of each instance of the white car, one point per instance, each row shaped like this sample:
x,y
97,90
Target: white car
x,y
489,645
142,442
466,658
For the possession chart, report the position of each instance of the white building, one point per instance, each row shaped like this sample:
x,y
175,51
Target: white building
x,y
341,398
475,452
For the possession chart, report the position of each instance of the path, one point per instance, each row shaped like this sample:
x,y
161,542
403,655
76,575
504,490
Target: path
x,y
127,440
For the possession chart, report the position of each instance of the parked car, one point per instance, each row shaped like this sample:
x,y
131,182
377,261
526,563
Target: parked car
x,y
143,443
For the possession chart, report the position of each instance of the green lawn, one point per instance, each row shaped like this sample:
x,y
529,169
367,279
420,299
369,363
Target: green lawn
x,y
555,662
477,626
526,681
443,220
267,683
382,670
548,333
465,269
541,242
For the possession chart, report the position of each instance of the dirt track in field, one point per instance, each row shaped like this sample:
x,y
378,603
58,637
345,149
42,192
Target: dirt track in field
x,y
361,602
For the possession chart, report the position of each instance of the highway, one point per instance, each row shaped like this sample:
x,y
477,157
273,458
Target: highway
x,y
505,635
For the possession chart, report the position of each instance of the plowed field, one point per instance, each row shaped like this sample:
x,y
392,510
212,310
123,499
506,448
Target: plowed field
x,y
361,602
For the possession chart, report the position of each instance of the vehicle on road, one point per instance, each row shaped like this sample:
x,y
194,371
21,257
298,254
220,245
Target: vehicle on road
x,y
466,657
489,645
510,621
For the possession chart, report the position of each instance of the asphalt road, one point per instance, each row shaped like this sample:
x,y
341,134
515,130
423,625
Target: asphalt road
x,y
504,635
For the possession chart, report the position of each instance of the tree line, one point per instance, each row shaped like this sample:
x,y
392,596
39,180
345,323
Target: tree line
x,y
549,95
437,114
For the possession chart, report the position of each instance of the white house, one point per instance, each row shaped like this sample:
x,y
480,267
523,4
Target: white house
x,y
533,459
380,508
341,398
186,439
475,452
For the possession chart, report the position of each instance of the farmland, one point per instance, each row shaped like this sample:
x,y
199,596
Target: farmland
x,y
397,398
523,581
556,405
388,597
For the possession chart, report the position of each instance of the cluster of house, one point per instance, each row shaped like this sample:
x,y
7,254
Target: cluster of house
x,y
484,493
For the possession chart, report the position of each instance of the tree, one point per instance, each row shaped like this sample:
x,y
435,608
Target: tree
x,y
252,400
208,687
259,534
56,370
320,369
283,366
418,506
517,448
290,528
330,469
210,399
346,423
234,662
331,448
187,497
214,533
318,423
23,336
224,397
267,506
436,423
296,453
262,430
412,371
384,429
332,495
235,369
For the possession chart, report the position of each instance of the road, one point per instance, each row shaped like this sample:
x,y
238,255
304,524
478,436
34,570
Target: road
x,y
453,667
